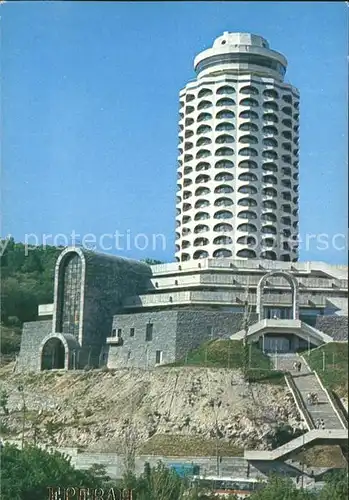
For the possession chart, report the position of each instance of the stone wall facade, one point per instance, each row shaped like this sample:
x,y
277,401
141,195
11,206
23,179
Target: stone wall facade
x,y
175,332
134,350
197,326
108,280
33,334
335,326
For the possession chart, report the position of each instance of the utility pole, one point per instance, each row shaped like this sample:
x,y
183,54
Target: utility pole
x,y
20,389
217,454
302,479
74,359
276,357
245,328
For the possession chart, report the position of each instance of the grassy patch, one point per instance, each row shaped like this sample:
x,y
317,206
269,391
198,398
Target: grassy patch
x,y
230,354
4,429
10,340
224,354
323,456
186,446
335,375
273,377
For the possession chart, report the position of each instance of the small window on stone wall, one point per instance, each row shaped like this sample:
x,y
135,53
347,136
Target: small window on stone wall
x,y
158,357
209,331
119,332
132,332
149,332
113,333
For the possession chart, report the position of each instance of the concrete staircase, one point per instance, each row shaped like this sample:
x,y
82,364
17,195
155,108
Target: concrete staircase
x,y
335,430
315,436
323,410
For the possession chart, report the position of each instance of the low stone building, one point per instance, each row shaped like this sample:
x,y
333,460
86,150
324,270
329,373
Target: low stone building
x,y
118,312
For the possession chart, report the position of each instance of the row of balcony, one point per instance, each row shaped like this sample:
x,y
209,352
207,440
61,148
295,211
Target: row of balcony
x,y
250,90
256,266
221,298
267,130
241,281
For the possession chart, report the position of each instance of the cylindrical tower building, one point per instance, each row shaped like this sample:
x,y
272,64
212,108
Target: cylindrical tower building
x,y
238,155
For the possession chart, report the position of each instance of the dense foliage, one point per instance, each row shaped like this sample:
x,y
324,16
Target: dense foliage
x,y
26,280
26,475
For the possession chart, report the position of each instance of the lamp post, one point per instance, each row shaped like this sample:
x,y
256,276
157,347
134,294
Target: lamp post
x,y
245,351
217,448
74,359
21,391
302,478
276,357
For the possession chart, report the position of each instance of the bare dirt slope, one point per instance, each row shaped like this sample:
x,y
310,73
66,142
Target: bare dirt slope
x,y
94,409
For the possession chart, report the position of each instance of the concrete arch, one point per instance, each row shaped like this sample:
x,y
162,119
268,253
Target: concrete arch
x,y
294,288
58,271
69,344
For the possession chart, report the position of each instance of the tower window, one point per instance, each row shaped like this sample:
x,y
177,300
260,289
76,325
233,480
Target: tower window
x,y
132,332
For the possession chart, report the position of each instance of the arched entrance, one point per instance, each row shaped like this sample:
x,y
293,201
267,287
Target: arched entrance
x,y
294,289
53,355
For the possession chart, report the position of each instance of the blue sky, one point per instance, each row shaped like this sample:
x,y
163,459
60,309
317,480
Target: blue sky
x,y
90,107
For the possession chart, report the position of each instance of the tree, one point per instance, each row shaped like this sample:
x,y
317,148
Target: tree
x,y
157,483
26,474
279,488
336,487
151,262
4,401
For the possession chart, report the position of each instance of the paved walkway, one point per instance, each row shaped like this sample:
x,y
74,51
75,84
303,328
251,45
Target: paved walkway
x,y
306,382
284,362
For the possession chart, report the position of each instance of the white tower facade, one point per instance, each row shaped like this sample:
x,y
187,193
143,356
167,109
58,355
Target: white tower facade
x,y
237,187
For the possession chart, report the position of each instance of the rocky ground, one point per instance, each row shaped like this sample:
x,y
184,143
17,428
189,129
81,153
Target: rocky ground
x,y
101,410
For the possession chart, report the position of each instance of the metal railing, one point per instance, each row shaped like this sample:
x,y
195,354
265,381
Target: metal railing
x,y
336,408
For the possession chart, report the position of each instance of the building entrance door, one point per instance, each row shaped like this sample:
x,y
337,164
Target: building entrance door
x,y
276,344
279,313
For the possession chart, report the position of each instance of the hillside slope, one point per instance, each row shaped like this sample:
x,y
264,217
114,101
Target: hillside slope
x,y
95,409
331,363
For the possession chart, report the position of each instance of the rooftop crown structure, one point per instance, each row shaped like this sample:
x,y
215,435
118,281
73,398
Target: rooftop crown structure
x,y
237,188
